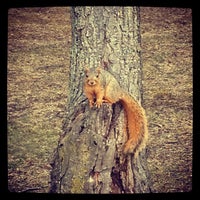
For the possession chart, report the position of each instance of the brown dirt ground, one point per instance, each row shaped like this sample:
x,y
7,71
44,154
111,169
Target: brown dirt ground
x,y
167,91
38,61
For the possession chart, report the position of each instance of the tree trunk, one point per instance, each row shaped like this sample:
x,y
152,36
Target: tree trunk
x,y
89,157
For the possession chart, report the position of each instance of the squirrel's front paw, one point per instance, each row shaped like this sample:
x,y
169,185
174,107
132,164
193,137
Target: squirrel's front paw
x,y
91,103
99,103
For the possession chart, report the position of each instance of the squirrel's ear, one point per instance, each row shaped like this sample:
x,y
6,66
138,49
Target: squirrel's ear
x,y
86,69
99,70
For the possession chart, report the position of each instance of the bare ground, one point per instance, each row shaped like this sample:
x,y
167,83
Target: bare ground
x,y
38,64
167,91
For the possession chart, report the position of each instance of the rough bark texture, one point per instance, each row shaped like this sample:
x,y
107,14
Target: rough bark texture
x,y
88,158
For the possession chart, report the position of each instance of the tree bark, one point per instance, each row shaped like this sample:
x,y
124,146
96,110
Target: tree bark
x,y
89,156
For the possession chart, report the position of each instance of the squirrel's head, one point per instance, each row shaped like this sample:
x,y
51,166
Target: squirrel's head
x,y
92,76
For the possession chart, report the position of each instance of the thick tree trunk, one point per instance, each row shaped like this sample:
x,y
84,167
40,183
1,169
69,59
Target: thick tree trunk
x,y
89,157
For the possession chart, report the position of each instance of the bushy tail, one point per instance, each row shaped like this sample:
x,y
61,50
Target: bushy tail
x,y
136,124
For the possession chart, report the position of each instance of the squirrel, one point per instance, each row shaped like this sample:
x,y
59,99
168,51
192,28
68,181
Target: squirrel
x,y
100,86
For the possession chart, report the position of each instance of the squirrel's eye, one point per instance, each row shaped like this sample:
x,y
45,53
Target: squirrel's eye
x,y
86,76
97,76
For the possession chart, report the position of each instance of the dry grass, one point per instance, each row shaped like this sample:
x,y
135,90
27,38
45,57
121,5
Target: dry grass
x,y
38,60
167,83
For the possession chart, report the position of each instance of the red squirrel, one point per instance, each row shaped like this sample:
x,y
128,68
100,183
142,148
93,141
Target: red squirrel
x,y
101,86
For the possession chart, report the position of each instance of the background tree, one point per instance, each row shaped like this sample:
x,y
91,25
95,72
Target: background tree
x,y
88,158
